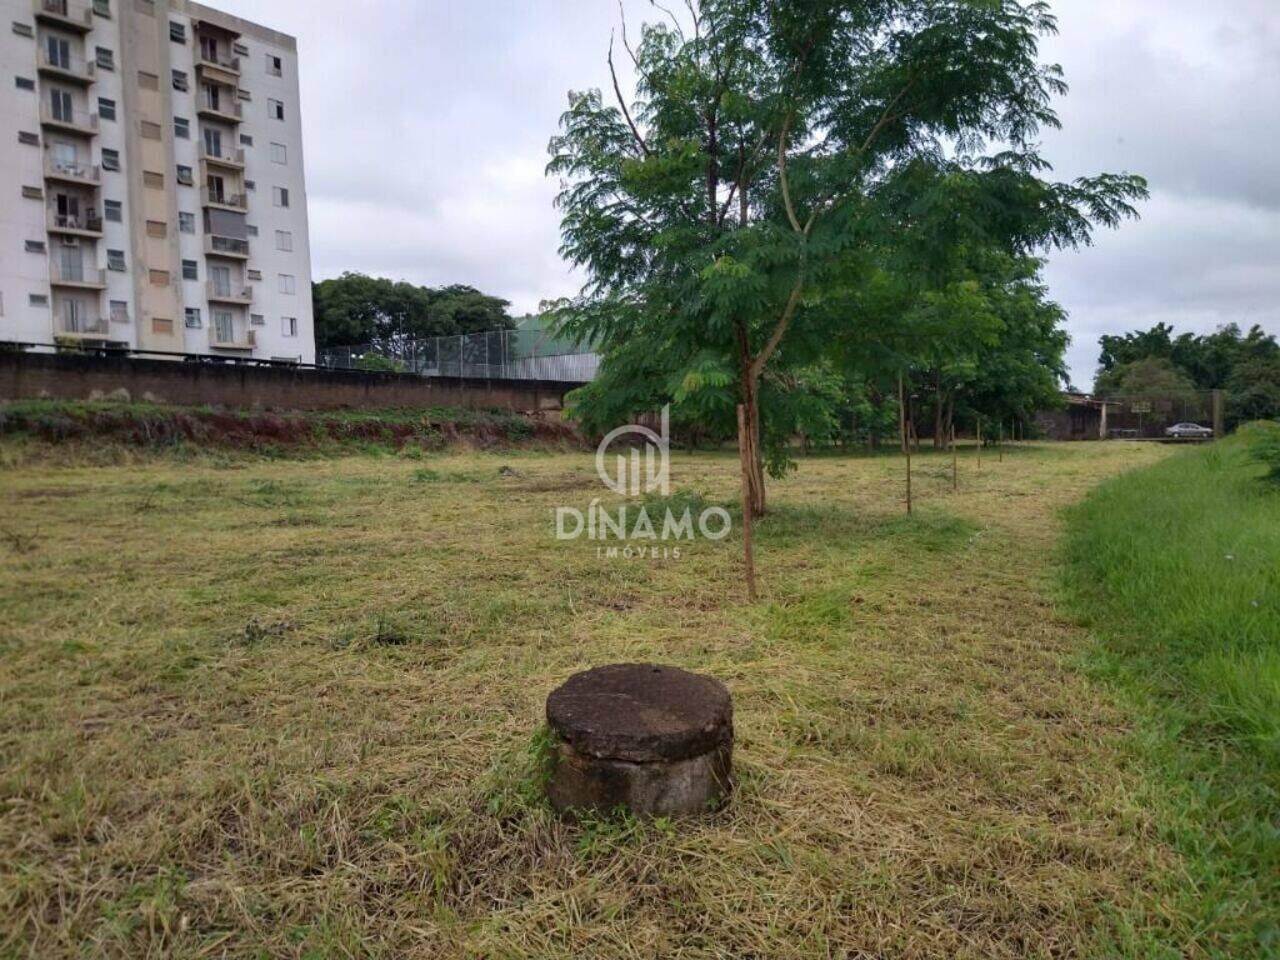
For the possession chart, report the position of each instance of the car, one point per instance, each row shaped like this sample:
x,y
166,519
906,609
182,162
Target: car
x,y
1189,431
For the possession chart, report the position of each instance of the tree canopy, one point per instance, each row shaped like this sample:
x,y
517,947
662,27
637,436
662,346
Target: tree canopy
x,y
799,188
1246,366
358,309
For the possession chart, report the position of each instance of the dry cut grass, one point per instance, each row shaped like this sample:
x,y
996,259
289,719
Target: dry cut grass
x,y
283,709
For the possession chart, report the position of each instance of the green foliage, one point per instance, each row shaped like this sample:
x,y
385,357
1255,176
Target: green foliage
x,y
1263,440
359,309
800,194
1175,568
1146,377
1244,365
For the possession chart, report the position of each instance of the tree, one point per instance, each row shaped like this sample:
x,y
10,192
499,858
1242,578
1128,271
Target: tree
x,y
758,172
1246,366
358,309
1147,377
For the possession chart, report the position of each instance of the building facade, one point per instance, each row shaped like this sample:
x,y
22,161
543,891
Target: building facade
x,y
151,181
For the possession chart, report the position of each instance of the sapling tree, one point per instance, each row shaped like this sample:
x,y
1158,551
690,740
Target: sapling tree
x,y
770,145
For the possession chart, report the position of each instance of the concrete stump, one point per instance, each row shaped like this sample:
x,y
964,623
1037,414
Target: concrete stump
x,y
652,739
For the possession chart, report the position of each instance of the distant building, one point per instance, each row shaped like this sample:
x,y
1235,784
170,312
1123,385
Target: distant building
x,y
153,183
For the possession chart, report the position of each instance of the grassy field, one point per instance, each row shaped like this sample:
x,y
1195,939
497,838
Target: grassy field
x,y
1177,568
291,709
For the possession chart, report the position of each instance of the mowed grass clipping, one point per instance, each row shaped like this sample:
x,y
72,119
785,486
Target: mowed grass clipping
x,y
1177,569
294,709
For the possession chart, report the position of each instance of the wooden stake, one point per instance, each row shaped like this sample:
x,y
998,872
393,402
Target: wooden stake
x,y
748,555
910,439
979,444
955,466
1000,445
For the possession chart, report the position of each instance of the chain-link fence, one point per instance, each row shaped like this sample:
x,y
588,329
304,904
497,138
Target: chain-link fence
x,y
496,355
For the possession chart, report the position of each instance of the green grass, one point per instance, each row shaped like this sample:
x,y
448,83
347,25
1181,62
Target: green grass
x,y
1176,568
271,707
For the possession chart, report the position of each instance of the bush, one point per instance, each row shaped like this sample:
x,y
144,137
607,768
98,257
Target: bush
x,y
1263,439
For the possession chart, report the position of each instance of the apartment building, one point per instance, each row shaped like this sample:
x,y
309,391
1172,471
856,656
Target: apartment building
x,y
151,184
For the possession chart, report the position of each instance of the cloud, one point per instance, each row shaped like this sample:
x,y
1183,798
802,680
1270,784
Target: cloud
x,y
426,127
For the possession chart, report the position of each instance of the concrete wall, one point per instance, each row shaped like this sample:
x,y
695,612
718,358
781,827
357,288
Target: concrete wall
x,y
27,376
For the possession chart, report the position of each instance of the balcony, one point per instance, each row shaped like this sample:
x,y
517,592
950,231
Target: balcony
x,y
226,247
228,293
77,277
217,67
87,224
228,201
225,336
64,14
69,121
71,171
67,69
231,158
228,111
90,328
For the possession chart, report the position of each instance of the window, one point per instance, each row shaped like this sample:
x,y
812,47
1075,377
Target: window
x,y
186,222
106,108
280,196
38,300
32,193
275,66
102,8
275,109
182,128
119,311
240,49
23,29
193,318
158,278
257,319
115,260
287,284
148,81
161,326
246,140
60,105
177,32
250,186
251,229
243,94
150,131
253,274
110,159
157,229
105,58
153,180
279,153
113,211
185,175
190,270
24,83
289,326
35,246
284,241
28,138
180,81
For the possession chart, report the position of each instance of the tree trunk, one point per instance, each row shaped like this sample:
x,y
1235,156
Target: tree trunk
x,y
939,424
749,444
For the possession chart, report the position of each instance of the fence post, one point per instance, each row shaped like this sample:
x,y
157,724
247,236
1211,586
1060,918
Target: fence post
x,y
1219,416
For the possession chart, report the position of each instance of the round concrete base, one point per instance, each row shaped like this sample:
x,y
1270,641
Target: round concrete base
x,y
650,739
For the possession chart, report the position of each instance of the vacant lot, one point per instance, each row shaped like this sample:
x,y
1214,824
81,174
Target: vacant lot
x,y
291,709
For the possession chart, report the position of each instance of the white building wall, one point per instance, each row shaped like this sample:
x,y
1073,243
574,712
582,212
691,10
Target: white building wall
x,y
25,275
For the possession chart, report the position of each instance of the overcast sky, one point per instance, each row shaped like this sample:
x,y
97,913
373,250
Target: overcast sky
x,y
426,124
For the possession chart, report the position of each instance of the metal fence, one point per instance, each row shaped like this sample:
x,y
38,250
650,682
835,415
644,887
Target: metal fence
x,y
496,355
